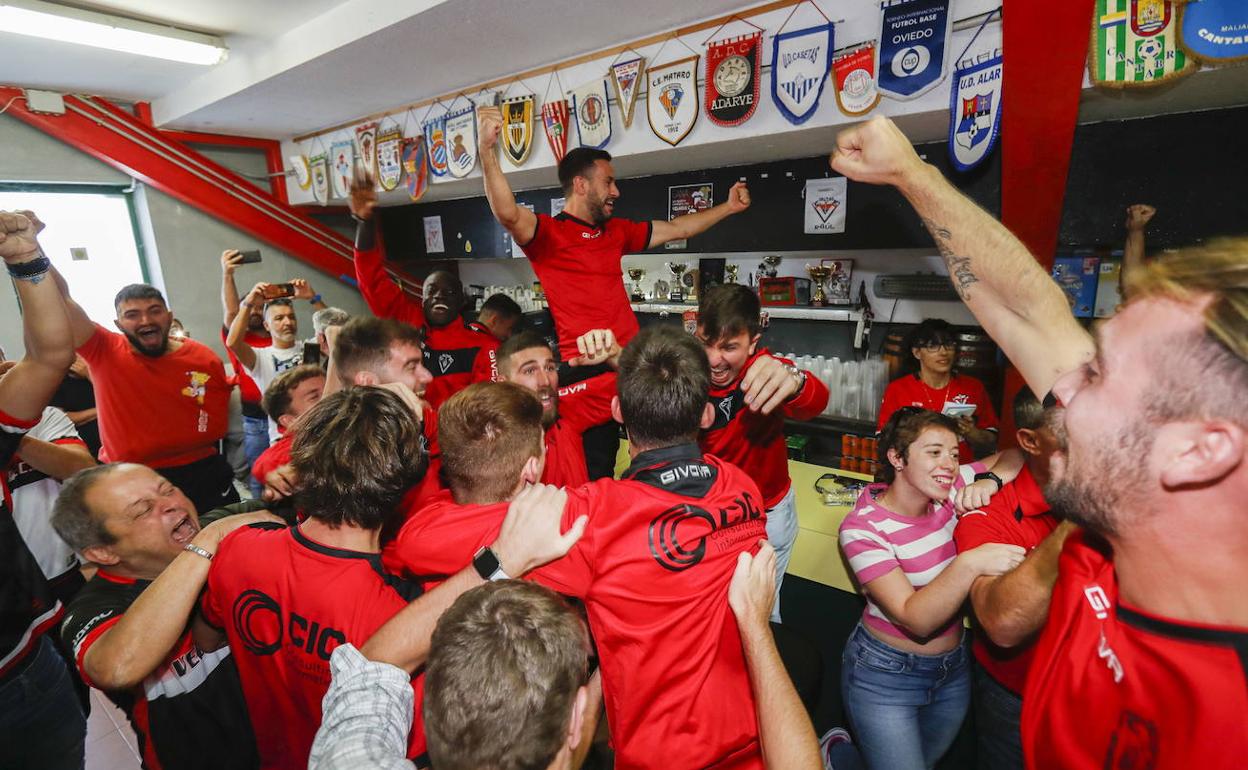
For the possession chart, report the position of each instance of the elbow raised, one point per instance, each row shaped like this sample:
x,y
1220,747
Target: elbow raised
x,y
1003,630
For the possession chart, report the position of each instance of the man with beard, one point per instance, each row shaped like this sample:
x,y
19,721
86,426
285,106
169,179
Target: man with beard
x,y
163,401
1141,662
455,352
526,359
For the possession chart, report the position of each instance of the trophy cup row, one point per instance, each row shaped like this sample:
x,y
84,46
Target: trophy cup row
x,y
819,275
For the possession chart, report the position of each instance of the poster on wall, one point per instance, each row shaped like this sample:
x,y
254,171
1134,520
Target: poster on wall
x,y
320,178
1214,30
626,77
461,142
416,167
854,74
366,148
732,70
799,69
914,47
1135,44
593,116
672,99
1077,277
556,206
975,112
342,157
433,235
686,199
825,206
389,160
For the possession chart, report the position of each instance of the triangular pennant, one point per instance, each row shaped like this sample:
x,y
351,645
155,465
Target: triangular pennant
x,y
416,167
342,161
435,145
593,116
914,47
672,99
1215,30
626,78
1135,43
732,74
366,148
975,112
303,174
555,122
517,135
799,68
461,142
320,178
854,74
389,161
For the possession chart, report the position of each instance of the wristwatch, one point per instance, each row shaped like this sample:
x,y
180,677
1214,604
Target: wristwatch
x,y
487,565
315,298
990,475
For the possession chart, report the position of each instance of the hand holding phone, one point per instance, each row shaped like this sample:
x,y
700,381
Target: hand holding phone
x,y
274,291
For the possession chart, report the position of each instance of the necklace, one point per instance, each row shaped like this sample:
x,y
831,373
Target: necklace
x,y
944,394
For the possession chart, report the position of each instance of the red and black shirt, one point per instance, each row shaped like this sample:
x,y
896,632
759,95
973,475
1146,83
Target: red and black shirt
x,y
1115,687
910,390
582,405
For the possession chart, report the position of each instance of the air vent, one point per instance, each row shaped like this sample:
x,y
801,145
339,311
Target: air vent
x,y
903,286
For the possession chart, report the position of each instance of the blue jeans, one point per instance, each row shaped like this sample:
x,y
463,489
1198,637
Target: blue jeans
x,y
998,712
41,718
905,709
255,441
782,533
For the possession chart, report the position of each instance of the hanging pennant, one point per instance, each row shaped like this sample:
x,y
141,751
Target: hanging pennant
x,y
975,112
461,141
435,145
303,174
389,164
555,121
342,156
593,117
626,77
854,74
416,166
672,99
1134,43
320,178
1214,30
914,47
366,148
799,68
732,68
518,128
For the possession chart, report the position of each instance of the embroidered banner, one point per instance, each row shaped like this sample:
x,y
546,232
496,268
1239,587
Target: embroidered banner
x,y
1135,43
626,77
389,163
799,68
517,132
732,68
320,178
854,72
303,174
435,145
416,166
975,112
366,148
914,47
672,99
342,156
1214,30
555,122
461,141
593,117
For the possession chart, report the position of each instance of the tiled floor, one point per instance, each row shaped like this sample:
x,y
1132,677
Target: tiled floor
x,y
111,744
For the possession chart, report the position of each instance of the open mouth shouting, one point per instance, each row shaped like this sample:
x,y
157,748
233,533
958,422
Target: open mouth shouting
x,y
184,531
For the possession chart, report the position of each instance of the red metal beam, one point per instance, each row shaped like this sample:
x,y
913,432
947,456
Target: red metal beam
x,y
272,151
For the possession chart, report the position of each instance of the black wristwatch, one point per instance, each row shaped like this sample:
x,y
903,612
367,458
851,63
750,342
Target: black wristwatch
x,y
990,475
487,565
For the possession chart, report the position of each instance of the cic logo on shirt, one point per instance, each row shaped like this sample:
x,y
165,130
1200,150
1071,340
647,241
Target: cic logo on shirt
x,y
679,535
261,631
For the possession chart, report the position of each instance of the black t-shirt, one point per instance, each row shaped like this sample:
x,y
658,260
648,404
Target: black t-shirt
x,y
74,395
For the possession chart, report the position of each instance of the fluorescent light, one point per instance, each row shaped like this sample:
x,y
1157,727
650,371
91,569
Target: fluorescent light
x,y
100,30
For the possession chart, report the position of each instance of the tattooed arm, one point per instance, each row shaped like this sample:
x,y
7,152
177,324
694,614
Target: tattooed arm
x,y
1011,295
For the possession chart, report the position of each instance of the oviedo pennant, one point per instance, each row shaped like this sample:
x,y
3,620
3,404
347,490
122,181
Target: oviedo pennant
x,y
914,47
732,68
672,99
517,136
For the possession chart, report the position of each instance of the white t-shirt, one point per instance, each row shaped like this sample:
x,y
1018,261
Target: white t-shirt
x,y
33,494
270,362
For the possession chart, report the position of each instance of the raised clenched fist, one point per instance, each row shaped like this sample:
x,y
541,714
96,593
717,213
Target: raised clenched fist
x,y
1139,215
17,238
489,126
739,197
875,152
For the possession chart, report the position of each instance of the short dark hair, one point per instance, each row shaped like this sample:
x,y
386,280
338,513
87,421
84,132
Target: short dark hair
x,y
72,519
487,432
358,452
501,305
364,344
138,291
903,428
664,385
279,302
505,663
727,310
277,397
578,162
517,342
929,331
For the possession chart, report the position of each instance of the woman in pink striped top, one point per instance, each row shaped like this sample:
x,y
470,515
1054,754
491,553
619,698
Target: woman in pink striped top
x,y
905,675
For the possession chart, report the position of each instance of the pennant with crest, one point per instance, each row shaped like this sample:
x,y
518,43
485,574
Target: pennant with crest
x,y
435,145
342,166
389,160
1135,43
593,116
416,167
517,128
555,121
461,141
975,112
854,74
303,174
626,78
799,68
732,72
320,178
914,47
672,99
366,148
1215,30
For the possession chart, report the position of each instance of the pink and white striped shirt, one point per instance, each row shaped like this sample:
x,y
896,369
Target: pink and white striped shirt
x,y
877,541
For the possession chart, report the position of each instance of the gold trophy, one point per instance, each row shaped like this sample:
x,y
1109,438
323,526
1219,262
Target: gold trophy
x,y
678,288
730,273
819,274
639,293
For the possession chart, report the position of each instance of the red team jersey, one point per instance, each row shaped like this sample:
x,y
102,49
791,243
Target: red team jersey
x,y
457,354
582,405
910,390
1115,688
1017,515
285,602
441,538
247,387
754,442
162,412
272,458
579,267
